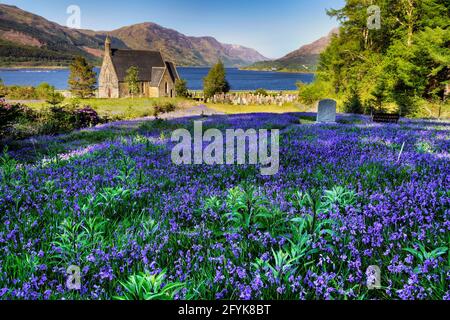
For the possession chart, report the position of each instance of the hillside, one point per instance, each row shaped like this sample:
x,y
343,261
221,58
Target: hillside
x,y
29,40
185,50
303,59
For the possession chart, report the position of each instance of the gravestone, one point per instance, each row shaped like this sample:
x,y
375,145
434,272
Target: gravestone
x,y
326,112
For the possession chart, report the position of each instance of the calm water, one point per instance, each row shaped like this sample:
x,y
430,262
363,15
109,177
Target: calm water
x,y
239,79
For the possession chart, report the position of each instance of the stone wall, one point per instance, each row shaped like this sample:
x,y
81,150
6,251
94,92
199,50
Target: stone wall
x,y
108,82
170,86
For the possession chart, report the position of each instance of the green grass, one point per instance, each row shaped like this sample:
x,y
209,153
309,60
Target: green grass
x,y
124,108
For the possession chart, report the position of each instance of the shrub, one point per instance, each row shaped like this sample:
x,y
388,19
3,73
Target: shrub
x,y
21,93
54,98
309,94
181,89
163,108
11,114
261,92
86,117
44,91
57,120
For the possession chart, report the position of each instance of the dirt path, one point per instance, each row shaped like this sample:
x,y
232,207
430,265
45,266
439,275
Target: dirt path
x,y
180,113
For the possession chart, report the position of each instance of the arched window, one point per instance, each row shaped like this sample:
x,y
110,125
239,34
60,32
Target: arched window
x,y
167,88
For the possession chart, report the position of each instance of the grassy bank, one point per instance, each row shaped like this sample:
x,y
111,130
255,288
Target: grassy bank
x,y
126,108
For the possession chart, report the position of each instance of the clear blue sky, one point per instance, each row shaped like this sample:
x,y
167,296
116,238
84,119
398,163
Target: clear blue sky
x,y
273,27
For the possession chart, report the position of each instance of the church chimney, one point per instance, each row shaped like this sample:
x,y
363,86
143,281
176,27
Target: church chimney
x,y
108,46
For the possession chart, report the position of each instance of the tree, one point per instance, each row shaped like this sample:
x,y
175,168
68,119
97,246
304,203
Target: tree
x,y
82,79
216,82
132,80
181,89
405,62
54,98
353,104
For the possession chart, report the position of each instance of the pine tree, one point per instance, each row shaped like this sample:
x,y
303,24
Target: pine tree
x,y
82,79
216,82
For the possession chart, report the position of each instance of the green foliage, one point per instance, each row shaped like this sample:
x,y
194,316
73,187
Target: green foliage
x,y
261,92
181,89
353,104
163,108
215,82
146,286
309,94
11,114
406,62
3,89
8,166
249,211
132,80
82,79
339,196
54,98
112,202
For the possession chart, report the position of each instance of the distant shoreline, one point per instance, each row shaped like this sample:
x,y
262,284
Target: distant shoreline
x,y
18,68
34,67
279,71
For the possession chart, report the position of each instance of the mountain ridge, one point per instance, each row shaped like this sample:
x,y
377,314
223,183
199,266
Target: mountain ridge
x,y
304,59
29,39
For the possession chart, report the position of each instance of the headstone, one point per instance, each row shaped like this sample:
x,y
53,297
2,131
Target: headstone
x,y
326,111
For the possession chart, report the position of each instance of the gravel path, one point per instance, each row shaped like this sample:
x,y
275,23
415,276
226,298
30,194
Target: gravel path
x,y
180,113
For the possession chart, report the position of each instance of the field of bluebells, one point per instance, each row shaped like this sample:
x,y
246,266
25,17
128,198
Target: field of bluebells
x,y
140,227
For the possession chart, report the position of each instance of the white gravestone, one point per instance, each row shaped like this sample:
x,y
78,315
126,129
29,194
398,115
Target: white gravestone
x,y
326,112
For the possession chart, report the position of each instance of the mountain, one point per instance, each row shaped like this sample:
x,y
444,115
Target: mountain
x,y
184,50
303,59
27,39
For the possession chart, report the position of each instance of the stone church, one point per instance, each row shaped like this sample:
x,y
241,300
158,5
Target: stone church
x,y
156,76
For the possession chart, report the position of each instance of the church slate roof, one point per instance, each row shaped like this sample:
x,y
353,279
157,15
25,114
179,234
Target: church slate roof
x,y
145,61
172,70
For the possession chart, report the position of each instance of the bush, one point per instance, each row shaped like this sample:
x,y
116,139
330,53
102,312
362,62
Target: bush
x,y
181,89
54,98
86,117
261,92
164,108
309,94
21,93
11,114
44,91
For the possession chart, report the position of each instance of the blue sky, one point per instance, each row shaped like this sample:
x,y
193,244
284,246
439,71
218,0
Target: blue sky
x,y
273,27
